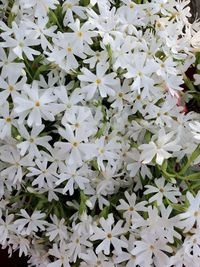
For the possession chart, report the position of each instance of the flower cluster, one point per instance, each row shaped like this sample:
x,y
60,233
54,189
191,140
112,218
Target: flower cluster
x,y
99,156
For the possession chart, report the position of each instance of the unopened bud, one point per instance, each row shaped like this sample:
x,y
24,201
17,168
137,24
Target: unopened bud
x,y
89,204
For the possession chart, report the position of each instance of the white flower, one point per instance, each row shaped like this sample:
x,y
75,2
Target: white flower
x,y
41,7
91,260
77,244
96,56
162,190
101,81
57,230
15,170
158,224
11,87
80,121
91,96
137,165
20,243
106,151
68,101
21,43
192,215
75,177
6,227
122,94
40,31
131,208
64,53
10,68
61,255
43,174
148,248
30,224
81,35
7,119
126,256
160,148
195,126
109,235
141,71
197,76
70,7
85,225
191,243
36,104
32,141
76,147
182,258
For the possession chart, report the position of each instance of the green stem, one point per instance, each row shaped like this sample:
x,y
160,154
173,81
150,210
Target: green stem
x,y
192,177
188,83
55,20
27,67
194,155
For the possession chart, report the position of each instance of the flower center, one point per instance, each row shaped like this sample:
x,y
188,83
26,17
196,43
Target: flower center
x,y
37,104
80,34
10,88
21,44
69,49
98,54
68,5
75,144
8,119
196,213
131,6
98,81
77,125
101,150
158,24
109,235
120,94
152,247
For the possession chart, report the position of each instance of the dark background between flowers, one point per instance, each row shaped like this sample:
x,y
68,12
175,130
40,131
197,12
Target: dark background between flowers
x,y
195,8
15,261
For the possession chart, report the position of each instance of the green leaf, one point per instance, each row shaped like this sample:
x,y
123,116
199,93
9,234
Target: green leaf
x,y
100,132
84,2
15,133
164,165
177,207
192,177
11,18
94,165
104,213
83,199
147,137
40,70
37,60
189,83
194,155
55,20
109,51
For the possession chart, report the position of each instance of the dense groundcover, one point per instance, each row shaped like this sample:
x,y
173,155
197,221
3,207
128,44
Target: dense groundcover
x,y
99,155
